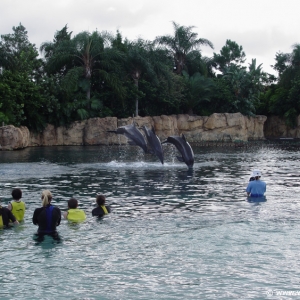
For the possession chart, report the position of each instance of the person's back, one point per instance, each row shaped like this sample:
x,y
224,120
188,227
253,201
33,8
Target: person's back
x,y
256,188
17,207
48,216
74,214
101,210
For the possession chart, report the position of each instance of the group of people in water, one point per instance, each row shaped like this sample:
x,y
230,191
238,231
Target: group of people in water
x,y
47,217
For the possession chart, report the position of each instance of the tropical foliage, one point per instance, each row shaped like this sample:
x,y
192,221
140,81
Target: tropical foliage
x,y
283,98
99,74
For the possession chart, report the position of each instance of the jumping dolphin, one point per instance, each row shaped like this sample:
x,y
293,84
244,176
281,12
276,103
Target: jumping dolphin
x,y
134,136
154,144
186,151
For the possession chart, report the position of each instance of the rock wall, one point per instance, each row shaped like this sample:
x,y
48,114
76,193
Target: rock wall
x,y
12,137
215,128
275,127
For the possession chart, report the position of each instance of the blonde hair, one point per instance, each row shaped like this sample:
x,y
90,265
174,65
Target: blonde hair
x,y
46,197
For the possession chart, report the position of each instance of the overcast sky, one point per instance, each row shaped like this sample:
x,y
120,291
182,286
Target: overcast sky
x,y
261,27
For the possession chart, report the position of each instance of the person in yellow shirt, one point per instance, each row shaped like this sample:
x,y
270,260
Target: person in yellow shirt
x,y
17,207
74,214
6,218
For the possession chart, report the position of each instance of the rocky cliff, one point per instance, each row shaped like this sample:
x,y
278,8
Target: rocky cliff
x,y
12,137
215,128
275,127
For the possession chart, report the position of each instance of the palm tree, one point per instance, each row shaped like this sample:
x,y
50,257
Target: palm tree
x,y
181,44
143,60
198,89
246,85
80,57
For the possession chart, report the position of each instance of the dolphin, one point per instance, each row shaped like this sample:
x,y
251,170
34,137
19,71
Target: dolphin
x,y
186,151
134,136
154,144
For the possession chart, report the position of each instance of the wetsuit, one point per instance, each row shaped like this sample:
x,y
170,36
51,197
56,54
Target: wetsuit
x,y
47,218
100,211
6,216
18,209
76,215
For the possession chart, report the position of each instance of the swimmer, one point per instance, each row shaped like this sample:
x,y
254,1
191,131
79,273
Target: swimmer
x,y
47,217
74,214
101,209
6,217
17,207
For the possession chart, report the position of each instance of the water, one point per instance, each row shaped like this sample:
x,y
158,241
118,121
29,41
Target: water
x,y
172,233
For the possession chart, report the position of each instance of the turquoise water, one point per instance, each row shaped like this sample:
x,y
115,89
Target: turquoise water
x,y
172,233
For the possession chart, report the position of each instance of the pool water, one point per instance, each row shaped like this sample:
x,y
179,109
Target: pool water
x,y
173,233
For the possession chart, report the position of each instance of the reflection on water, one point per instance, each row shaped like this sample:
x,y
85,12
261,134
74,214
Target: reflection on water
x,y
173,233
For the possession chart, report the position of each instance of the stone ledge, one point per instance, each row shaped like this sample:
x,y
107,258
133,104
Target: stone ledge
x,y
217,128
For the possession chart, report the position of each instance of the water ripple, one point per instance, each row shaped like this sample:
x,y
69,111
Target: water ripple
x,y
173,233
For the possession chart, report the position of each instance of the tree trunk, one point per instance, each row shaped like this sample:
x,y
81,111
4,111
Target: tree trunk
x,y
136,107
136,82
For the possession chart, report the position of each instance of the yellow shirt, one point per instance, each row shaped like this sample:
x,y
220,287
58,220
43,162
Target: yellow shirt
x,y
76,215
18,209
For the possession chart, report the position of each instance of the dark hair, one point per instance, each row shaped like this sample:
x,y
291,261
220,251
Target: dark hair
x,y
100,199
72,203
16,194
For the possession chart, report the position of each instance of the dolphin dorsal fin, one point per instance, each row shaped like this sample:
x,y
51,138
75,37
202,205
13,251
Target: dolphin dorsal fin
x,y
183,137
153,130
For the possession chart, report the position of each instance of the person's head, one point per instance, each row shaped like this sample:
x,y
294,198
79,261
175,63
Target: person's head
x,y
46,197
16,194
72,203
100,199
256,174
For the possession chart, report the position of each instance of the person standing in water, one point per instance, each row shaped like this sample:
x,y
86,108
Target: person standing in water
x,y
101,210
47,217
6,217
256,188
17,207
74,214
